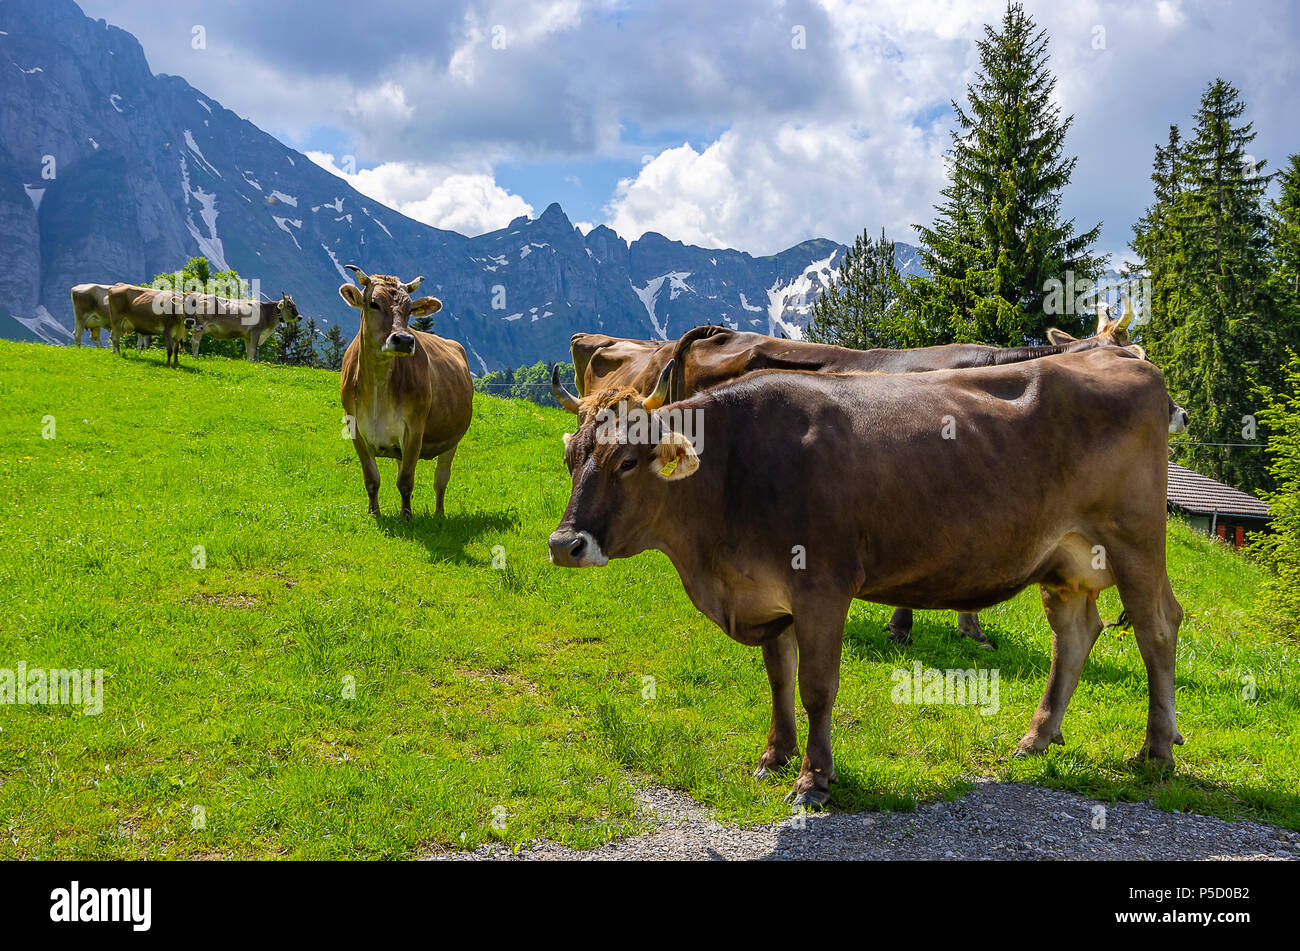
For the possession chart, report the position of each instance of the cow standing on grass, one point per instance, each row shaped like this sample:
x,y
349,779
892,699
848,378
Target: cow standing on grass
x,y
252,321
408,393
147,310
810,489
90,311
710,355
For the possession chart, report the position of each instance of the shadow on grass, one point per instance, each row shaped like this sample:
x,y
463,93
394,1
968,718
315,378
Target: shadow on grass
x,y
147,358
936,643
446,537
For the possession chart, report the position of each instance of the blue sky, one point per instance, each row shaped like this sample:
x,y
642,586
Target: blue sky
x,y
752,125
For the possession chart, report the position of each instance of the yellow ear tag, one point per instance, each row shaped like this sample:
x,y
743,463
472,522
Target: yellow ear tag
x,y
670,467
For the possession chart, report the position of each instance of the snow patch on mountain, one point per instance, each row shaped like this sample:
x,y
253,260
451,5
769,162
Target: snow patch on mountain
x,y
210,244
796,298
650,296
284,223
45,326
113,101
35,193
198,153
338,267
289,200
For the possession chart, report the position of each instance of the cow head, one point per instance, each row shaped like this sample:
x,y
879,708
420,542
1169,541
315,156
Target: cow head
x,y
288,309
620,483
386,309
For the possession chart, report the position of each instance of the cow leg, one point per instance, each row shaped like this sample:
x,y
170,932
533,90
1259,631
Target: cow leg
x,y
1155,622
442,477
250,345
819,633
781,656
369,472
899,626
406,469
1075,628
968,625
196,338
94,338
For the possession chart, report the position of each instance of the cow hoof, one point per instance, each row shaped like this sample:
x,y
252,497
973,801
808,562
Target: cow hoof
x,y
812,799
1146,760
902,638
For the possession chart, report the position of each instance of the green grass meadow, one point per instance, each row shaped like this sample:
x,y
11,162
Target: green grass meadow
x,y
326,686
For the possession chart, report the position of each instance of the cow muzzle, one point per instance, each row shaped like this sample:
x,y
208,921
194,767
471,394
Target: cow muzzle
x,y
1178,420
401,344
190,323
571,549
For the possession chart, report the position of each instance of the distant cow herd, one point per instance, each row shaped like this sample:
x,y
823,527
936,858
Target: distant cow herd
x,y
947,477
150,311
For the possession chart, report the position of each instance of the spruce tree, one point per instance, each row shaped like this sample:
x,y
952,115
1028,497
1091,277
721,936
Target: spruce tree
x,y
335,347
1216,328
1284,236
1003,265
856,309
1279,597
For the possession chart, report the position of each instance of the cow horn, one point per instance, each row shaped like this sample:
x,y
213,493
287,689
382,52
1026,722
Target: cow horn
x,y
415,285
562,396
362,277
1128,313
1103,312
656,399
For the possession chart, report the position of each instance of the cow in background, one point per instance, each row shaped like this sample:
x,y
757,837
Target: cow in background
x,y
225,319
90,311
147,310
601,361
407,393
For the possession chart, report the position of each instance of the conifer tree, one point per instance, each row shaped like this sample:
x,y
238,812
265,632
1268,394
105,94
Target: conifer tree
x,y
1002,265
1216,328
857,307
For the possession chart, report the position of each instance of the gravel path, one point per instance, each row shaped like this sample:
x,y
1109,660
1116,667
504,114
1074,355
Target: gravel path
x,y
994,821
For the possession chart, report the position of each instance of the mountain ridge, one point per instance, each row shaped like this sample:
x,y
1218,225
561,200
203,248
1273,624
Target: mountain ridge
x,y
109,172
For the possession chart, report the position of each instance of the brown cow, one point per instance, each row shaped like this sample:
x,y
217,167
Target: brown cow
x,y
707,356
147,310
252,321
407,393
600,361
1055,476
90,311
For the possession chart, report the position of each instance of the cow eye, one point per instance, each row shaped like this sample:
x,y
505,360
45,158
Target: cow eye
x,y
628,464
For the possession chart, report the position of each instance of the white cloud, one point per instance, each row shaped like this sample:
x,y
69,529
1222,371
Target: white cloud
x,y
470,202
764,189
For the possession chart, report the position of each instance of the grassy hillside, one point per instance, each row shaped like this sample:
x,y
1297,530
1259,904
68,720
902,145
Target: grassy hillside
x,y
490,704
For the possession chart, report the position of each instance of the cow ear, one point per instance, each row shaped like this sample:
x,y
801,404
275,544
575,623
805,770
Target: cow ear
x,y
351,293
1059,337
1108,329
425,306
675,457
566,437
